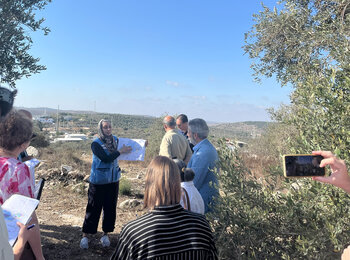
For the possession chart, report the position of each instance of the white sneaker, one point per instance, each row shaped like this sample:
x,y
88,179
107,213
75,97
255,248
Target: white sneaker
x,y
105,241
84,243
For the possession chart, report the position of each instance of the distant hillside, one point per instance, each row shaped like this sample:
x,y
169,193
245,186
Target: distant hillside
x,y
82,119
41,111
242,131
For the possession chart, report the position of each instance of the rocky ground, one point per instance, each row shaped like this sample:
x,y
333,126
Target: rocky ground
x,y
62,208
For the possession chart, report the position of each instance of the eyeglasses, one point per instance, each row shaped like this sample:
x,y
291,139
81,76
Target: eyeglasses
x,y
107,127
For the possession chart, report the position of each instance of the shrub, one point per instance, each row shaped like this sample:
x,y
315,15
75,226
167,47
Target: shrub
x,y
124,187
40,141
155,135
254,220
265,152
68,153
319,112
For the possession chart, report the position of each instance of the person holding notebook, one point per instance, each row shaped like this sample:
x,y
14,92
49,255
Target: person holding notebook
x,y
15,252
6,251
15,135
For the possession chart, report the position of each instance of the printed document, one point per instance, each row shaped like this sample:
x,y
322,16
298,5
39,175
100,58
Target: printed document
x,y
138,149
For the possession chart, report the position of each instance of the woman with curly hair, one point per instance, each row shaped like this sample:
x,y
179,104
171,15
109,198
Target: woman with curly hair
x,y
15,178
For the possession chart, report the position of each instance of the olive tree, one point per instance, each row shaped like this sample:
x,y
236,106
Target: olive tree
x,y
299,38
17,19
263,218
320,112
306,43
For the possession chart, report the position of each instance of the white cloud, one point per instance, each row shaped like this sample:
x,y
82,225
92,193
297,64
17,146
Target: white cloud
x,y
174,84
197,98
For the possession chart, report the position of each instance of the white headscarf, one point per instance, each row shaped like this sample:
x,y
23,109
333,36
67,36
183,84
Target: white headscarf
x,y
109,140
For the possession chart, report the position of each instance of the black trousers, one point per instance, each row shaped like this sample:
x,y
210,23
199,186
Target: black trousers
x,y
101,196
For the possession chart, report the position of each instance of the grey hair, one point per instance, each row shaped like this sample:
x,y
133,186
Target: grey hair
x,y
199,126
170,123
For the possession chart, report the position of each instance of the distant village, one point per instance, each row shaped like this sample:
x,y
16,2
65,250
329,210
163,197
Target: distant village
x,y
55,131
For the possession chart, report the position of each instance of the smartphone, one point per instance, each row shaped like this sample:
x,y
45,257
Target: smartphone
x,y
303,165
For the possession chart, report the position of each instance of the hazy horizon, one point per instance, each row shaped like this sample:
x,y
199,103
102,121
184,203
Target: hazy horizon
x,y
52,112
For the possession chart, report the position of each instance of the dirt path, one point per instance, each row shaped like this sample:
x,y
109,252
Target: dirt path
x,y
61,213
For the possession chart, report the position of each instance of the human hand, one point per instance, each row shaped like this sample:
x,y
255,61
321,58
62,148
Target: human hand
x,y
339,176
23,233
125,149
23,236
346,254
146,143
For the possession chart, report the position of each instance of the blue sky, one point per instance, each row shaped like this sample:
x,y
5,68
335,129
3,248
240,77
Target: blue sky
x,y
150,57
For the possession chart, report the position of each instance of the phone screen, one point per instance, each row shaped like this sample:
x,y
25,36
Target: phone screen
x,y
303,165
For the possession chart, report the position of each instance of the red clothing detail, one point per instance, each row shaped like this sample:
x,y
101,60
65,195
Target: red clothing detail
x,y
15,177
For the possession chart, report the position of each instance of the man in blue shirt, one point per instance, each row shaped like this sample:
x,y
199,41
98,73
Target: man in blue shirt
x,y
203,161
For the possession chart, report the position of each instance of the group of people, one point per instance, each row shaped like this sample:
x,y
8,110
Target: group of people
x,y
168,230
175,226
180,187
201,160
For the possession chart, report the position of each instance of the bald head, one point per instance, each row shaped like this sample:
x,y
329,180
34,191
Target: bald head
x,y
169,122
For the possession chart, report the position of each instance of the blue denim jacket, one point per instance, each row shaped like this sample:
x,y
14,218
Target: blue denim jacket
x,y
102,172
203,162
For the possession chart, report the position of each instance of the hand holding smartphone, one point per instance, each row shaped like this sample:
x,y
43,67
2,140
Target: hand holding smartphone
x,y
302,165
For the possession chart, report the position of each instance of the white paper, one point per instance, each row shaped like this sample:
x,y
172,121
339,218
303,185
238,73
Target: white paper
x,y
138,149
17,208
31,165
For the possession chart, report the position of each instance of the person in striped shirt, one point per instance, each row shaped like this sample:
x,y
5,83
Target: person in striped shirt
x,y
167,231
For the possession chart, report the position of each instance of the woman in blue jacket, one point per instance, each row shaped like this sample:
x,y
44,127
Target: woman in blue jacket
x,y
103,184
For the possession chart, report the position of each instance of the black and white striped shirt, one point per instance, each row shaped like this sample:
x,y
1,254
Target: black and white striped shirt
x,y
167,232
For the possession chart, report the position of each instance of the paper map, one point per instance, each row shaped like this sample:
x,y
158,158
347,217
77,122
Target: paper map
x,y
138,149
17,208
31,165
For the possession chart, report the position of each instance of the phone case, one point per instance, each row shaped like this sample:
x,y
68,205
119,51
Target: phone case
x,y
300,174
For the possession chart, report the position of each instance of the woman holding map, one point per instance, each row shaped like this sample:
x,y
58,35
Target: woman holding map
x,y
103,184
